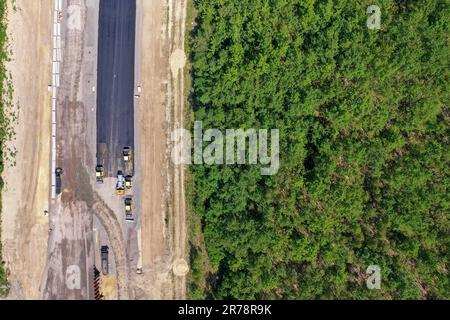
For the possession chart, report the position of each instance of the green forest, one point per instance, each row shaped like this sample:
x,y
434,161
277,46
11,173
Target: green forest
x,y
364,149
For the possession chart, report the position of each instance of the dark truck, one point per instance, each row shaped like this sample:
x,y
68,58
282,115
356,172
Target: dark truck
x,y
58,173
104,250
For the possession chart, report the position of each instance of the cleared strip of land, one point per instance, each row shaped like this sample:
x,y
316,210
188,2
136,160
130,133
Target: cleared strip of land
x,y
26,193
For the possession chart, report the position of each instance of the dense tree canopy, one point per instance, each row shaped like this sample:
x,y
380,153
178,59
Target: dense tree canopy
x,y
363,118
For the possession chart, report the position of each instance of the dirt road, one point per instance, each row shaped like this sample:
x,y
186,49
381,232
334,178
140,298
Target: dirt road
x,y
160,109
163,240
151,126
70,217
177,21
112,227
26,194
71,242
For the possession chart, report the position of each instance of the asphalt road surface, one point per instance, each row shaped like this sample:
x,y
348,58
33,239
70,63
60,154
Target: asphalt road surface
x,y
115,82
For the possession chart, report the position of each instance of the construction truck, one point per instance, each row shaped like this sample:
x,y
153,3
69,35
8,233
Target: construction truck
x,y
99,173
104,251
128,210
120,185
128,182
58,183
127,154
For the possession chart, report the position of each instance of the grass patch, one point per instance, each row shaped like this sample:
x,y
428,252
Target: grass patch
x,y
7,117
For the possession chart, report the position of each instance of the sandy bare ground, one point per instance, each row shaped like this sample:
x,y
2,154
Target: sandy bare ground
x,y
155,282
177,21
161,109
112,226
26,196
70,216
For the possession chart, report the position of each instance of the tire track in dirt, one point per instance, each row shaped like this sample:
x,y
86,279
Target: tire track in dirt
x,y
109,221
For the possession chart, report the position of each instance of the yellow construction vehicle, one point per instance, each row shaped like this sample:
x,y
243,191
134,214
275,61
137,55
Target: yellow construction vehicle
x,y
127,154
128,182
128,210
99,173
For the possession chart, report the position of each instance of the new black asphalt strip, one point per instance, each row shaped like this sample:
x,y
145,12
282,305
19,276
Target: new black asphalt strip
x,y
115,84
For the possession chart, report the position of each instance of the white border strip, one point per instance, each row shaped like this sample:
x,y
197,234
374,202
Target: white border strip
x,y
56,59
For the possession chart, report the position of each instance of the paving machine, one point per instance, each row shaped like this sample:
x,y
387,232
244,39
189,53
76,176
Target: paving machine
x,y
120,185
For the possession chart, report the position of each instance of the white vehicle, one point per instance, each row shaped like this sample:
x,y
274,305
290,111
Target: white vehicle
x,y
120,186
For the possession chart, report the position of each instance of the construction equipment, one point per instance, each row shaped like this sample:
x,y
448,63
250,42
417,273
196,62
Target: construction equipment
x,y
138,94
128,182
58,184
99,173
104,250
120,185
127,154
128,210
